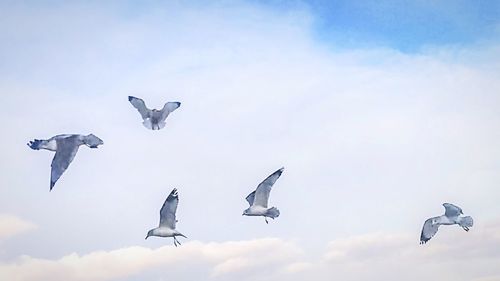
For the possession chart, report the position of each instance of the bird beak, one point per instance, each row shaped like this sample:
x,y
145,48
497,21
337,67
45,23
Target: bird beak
x,y
146,238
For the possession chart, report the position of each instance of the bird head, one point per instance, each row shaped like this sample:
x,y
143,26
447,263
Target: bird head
x,y
245,213
150,233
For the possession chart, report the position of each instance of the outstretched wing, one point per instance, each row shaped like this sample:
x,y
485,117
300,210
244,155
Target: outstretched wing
x,y
168,108
65,153
167,212
250,198
452,210
428,230
140,106
262,192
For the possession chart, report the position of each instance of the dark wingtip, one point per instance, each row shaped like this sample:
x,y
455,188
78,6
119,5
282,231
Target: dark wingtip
x,y
424,240
52,183
174,192
178,104
34,144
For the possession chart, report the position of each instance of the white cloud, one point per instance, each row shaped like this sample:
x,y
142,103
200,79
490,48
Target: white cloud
x,y
452,255
11,225
219,259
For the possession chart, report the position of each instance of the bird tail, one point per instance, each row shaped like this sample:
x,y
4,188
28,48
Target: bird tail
x,y
466,222
160,125
273,212
148,124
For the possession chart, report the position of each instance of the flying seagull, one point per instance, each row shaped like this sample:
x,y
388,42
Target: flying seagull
x,y
451,216
153,119
167,219
259,198
66,147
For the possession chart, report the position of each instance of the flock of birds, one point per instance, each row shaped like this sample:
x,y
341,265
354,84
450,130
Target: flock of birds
x,y
66,146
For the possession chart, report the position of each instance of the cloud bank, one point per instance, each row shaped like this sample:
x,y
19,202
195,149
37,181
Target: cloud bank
x,y
451,255
230,259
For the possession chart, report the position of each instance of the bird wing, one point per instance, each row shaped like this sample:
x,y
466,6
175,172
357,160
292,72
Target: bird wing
x,y
168,108
428,230
167,212
250,198
140,106
452,210
65,153
261,196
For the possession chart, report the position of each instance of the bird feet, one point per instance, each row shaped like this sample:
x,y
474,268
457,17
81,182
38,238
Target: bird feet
x,y
176,242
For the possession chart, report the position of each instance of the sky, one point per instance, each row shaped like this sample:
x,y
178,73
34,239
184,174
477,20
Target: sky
x,y
378,112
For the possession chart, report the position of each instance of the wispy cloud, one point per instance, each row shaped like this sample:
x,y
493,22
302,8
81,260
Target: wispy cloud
x,y
12,225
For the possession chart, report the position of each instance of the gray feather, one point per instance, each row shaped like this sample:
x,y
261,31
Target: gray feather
x,y
168,210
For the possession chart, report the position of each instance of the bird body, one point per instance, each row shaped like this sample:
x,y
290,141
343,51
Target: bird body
x,y
66,146
163,231
257,211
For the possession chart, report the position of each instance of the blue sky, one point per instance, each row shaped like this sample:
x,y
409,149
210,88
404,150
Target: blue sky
x,y
405,25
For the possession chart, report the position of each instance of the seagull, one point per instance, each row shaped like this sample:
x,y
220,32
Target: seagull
x,y
167,219
66,147
259,198
451,216
153,119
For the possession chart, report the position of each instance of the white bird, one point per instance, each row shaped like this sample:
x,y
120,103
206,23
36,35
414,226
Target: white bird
x,y
153,119
451,216
259,198
66,147
167,219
